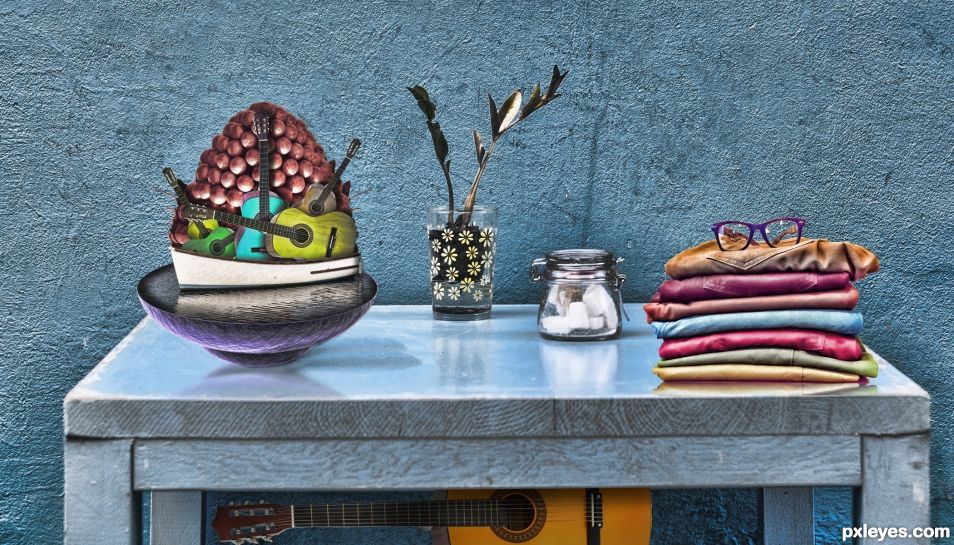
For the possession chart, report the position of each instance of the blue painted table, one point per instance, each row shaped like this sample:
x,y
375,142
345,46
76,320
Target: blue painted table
x,y
401,401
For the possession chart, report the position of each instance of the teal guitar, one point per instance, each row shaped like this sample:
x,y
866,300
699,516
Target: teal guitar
x,y
251,243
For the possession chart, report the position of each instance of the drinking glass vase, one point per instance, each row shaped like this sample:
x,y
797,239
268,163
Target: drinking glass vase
x,y
462,262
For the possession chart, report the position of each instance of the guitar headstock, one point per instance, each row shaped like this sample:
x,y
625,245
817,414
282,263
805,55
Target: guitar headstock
x,y
193,212
260,126
251,523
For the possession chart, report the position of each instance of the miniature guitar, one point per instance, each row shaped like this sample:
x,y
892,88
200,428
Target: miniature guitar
x,y
251,242
293,234
321,201
207,237
474,517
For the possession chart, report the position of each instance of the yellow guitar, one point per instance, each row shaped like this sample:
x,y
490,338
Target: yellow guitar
x,y
293,234
467,517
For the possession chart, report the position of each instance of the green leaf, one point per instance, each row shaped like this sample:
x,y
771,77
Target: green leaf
x,y
479,145
510,109
423,101
440,143
494,117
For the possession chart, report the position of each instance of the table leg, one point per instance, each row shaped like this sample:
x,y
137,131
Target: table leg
x,y
99,506
787,515
895,490
175,518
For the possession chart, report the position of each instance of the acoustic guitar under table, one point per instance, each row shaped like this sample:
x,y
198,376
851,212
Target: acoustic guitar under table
x,y
467,517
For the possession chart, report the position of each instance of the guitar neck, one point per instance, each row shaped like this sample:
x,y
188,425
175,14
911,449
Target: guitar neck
x,y
176,184
258,225
263,182
330,185
422,513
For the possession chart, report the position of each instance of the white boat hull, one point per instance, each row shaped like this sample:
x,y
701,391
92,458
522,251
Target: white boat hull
x,y
196,271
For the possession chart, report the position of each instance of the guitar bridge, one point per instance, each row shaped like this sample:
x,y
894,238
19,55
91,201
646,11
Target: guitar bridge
x,y
594,508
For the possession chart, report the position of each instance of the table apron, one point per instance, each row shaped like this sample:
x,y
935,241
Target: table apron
x,y
388,464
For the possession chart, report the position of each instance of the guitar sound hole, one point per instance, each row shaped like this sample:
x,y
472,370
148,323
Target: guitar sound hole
x,y
303,236
519,513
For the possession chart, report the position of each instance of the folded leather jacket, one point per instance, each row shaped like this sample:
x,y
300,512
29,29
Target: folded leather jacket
x,y
716,373
866,366
844,299
832,345
807,256
726,286
846,322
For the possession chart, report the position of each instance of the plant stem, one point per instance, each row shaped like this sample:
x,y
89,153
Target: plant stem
x,y
471,198
450,196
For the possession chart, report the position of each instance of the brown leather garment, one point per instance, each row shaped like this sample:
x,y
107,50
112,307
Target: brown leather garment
x,y
845,299
808,255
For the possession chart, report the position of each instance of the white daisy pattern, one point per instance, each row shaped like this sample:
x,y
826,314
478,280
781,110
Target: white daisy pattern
x,y
467,285
453,293
485,280
465,237
447,235
435,267
471,252
436,246
449,254
486,236
473,268
438,291
452,273
478,295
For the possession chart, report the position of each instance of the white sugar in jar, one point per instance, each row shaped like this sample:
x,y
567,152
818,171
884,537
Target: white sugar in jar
x,y
582,299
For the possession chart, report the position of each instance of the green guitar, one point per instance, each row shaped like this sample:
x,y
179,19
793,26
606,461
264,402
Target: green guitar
x,y
293,234
208,238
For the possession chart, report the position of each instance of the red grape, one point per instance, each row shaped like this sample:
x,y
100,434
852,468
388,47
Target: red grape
x,y
283,145
202,172
297,151
235,197
306,169
215,175
290,166
237,165
245,183
277,178
233,130
219,142
275,161
222,160
297,184
248,140
234,148
251,157
217,195
228,179
278,127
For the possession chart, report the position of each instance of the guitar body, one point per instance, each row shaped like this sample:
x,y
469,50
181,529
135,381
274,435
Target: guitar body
x,y
627,519
314,205
330,236
219,243
251,243
193,230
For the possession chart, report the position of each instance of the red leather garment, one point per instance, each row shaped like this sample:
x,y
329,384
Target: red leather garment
x,y
727,286
833,345
843,299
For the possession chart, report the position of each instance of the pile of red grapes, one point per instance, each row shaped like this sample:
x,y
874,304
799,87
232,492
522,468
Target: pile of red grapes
x,y
229,169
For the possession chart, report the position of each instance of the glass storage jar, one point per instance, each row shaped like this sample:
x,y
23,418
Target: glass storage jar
x,y
582,300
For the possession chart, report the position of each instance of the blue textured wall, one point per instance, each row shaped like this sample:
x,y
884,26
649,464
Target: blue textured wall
x,y
675,115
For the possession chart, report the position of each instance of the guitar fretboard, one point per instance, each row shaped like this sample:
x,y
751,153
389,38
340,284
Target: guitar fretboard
x,y
422,513
263,164
258,225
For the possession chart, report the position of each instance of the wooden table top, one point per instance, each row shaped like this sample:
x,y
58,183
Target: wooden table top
x,y
398,373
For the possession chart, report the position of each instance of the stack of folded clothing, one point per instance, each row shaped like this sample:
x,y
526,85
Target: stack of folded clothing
x,y
764,313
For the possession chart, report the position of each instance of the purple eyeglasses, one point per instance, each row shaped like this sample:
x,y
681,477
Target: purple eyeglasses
x,y
738,235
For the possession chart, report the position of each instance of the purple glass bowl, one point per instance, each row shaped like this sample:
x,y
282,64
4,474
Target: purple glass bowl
x,y
259,327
